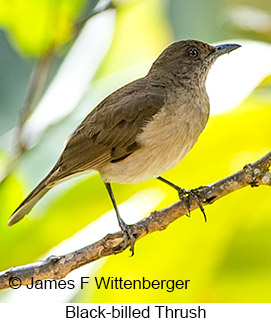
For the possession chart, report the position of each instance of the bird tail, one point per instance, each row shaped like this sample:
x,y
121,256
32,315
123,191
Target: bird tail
x,y
26,206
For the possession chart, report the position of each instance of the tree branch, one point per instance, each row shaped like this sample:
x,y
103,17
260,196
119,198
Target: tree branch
x,y
78,26
36,87
37,84
58,267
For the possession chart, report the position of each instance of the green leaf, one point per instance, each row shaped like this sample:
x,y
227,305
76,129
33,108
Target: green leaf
x,y
34,27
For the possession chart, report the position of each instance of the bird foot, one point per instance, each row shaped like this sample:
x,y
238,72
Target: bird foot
x,y
185,195
129,239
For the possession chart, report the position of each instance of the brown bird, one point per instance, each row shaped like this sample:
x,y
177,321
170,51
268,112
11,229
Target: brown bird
x,y
141,130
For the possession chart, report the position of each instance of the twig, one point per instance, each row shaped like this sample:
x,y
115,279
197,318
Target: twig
x,y
58,267
78,26
37,84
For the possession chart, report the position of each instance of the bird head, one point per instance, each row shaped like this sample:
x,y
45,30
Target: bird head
x,y
190,59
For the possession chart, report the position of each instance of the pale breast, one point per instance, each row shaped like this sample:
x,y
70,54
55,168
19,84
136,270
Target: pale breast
x,y
163,143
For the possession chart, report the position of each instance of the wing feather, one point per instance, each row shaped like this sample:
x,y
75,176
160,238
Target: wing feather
x,y
109,132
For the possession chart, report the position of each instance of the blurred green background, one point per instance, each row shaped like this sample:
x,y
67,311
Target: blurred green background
x,y
228,259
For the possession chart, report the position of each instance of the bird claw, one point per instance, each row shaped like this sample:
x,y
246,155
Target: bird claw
x,y
129,239
185,196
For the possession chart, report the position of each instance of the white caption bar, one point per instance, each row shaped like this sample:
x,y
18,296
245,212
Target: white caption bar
x,y
153,312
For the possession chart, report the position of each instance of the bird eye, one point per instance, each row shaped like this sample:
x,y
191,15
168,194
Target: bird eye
x,y
193,52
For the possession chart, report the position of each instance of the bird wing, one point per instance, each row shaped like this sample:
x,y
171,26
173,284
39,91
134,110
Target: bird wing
x,y
109,132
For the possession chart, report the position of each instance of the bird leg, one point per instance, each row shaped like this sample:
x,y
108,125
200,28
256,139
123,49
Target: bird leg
x,y
184,195
125,228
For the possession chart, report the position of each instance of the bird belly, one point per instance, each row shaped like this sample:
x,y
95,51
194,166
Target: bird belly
x,y
163,143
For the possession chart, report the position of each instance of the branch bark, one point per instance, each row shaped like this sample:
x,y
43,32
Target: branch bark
x,y
57,267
